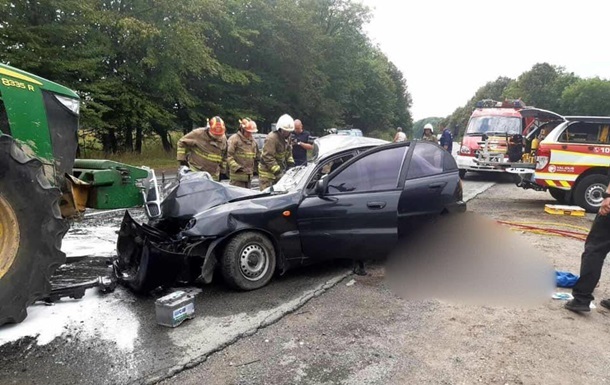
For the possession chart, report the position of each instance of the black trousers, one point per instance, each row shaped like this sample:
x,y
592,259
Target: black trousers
x,y
597,246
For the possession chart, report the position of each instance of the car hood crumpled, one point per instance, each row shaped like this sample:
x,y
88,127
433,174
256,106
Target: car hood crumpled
x,y
196,193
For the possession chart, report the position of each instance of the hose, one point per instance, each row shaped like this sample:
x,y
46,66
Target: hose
x,y
548,231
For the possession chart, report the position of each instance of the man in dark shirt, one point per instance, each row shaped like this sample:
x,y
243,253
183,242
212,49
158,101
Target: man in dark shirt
x,y
300,144
597,247
447,140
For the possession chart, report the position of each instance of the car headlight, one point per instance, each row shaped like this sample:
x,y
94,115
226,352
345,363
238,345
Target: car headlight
x,y
465,150
70,103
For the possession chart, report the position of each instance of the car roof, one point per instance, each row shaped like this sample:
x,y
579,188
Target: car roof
x,y
589,119
333,143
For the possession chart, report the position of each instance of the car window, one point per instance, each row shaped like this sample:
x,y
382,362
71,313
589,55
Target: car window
x,y
326,167
427,160
585,133
375,172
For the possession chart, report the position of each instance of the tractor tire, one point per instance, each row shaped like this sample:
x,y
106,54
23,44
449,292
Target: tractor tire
x,y
588,192
31,231
248,261
559,195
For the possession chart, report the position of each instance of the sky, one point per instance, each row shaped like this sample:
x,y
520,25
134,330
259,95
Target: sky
x,y
447,49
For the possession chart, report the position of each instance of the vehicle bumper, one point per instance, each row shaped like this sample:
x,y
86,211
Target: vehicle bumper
x,y
468,163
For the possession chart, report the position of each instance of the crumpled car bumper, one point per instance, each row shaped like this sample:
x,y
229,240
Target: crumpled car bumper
x,y
148,258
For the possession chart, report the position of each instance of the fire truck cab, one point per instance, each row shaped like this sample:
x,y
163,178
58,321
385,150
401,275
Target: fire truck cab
x,y
500,136
572,162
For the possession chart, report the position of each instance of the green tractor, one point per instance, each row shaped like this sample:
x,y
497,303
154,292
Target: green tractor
x,y
43,186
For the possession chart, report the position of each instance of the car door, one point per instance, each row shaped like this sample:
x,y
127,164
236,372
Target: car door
x,y
430,184
356,216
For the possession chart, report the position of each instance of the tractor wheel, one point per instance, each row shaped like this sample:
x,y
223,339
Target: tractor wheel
x,y
248,261
559,195
31,230
588,192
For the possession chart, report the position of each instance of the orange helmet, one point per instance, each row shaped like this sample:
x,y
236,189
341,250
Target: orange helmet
x,y
217,126
248,125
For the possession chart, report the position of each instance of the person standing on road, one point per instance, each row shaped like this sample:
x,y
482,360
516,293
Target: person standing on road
x,y
205,149
242,154
300,144
429,133
400,136
276,156
597,247
446,140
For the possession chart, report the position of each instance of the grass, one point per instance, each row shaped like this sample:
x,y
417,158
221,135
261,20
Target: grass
x,y
152,154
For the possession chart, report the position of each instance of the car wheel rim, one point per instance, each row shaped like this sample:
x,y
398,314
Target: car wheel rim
x,y
253,262
9,236
593,195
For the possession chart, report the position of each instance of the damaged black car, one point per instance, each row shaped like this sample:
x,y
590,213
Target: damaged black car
x,y
354,200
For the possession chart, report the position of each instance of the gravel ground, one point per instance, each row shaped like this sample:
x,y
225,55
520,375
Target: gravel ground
x,y
360,332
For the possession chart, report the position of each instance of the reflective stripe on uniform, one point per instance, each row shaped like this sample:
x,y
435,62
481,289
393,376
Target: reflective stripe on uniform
x,y
240,177
206,156
265,174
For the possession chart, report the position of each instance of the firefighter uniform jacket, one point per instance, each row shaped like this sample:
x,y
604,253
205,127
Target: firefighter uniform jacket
x,y
242,154
203,152
276,157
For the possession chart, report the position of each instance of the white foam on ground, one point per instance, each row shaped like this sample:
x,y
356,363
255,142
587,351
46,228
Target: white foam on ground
x,y
108,318
99,241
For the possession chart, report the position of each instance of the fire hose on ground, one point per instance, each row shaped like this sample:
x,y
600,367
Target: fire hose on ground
x,y
547,229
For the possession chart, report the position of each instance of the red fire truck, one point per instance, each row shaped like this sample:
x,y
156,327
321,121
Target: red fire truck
x,y
500,135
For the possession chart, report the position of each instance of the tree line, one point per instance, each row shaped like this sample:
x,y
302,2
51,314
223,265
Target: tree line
x,y
155,66
545,86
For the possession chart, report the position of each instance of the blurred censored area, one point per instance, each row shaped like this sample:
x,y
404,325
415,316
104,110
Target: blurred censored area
x,y
468,259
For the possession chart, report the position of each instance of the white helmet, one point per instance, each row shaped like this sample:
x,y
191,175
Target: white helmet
x,y
286,123
428,126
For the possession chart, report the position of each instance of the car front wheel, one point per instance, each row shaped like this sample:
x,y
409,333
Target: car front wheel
x,y
589,190
248,261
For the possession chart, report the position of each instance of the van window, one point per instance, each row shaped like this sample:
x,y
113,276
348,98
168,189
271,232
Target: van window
x,y
580,132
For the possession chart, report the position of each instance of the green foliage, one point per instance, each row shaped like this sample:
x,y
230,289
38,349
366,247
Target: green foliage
x,y
147,67
587,97
541,86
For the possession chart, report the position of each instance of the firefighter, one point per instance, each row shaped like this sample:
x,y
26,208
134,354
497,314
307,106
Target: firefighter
x,y
276,156
242,154
205,149
429,133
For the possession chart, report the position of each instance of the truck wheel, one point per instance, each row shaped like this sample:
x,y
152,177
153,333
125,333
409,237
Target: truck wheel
x,y
462,173
248,261
31,231
559,195
588,192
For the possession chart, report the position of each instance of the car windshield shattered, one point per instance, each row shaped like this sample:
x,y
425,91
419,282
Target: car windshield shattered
x,y
494,125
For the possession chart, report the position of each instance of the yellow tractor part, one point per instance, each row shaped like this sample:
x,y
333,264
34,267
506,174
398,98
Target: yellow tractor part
x,y
9,236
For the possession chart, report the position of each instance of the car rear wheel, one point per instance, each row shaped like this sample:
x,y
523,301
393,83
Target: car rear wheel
x,y
248,261
559,195
589,190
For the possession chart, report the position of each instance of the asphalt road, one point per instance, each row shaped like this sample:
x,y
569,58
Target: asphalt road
x,y
114,338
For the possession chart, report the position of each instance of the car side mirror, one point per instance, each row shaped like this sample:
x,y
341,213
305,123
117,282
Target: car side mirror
x,y
321,187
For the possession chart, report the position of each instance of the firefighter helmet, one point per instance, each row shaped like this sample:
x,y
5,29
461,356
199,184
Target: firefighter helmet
x,y
248,125
428,126
286,123
217,126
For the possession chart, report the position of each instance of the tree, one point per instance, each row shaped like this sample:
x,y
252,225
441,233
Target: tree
x,y
587,97
541,86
